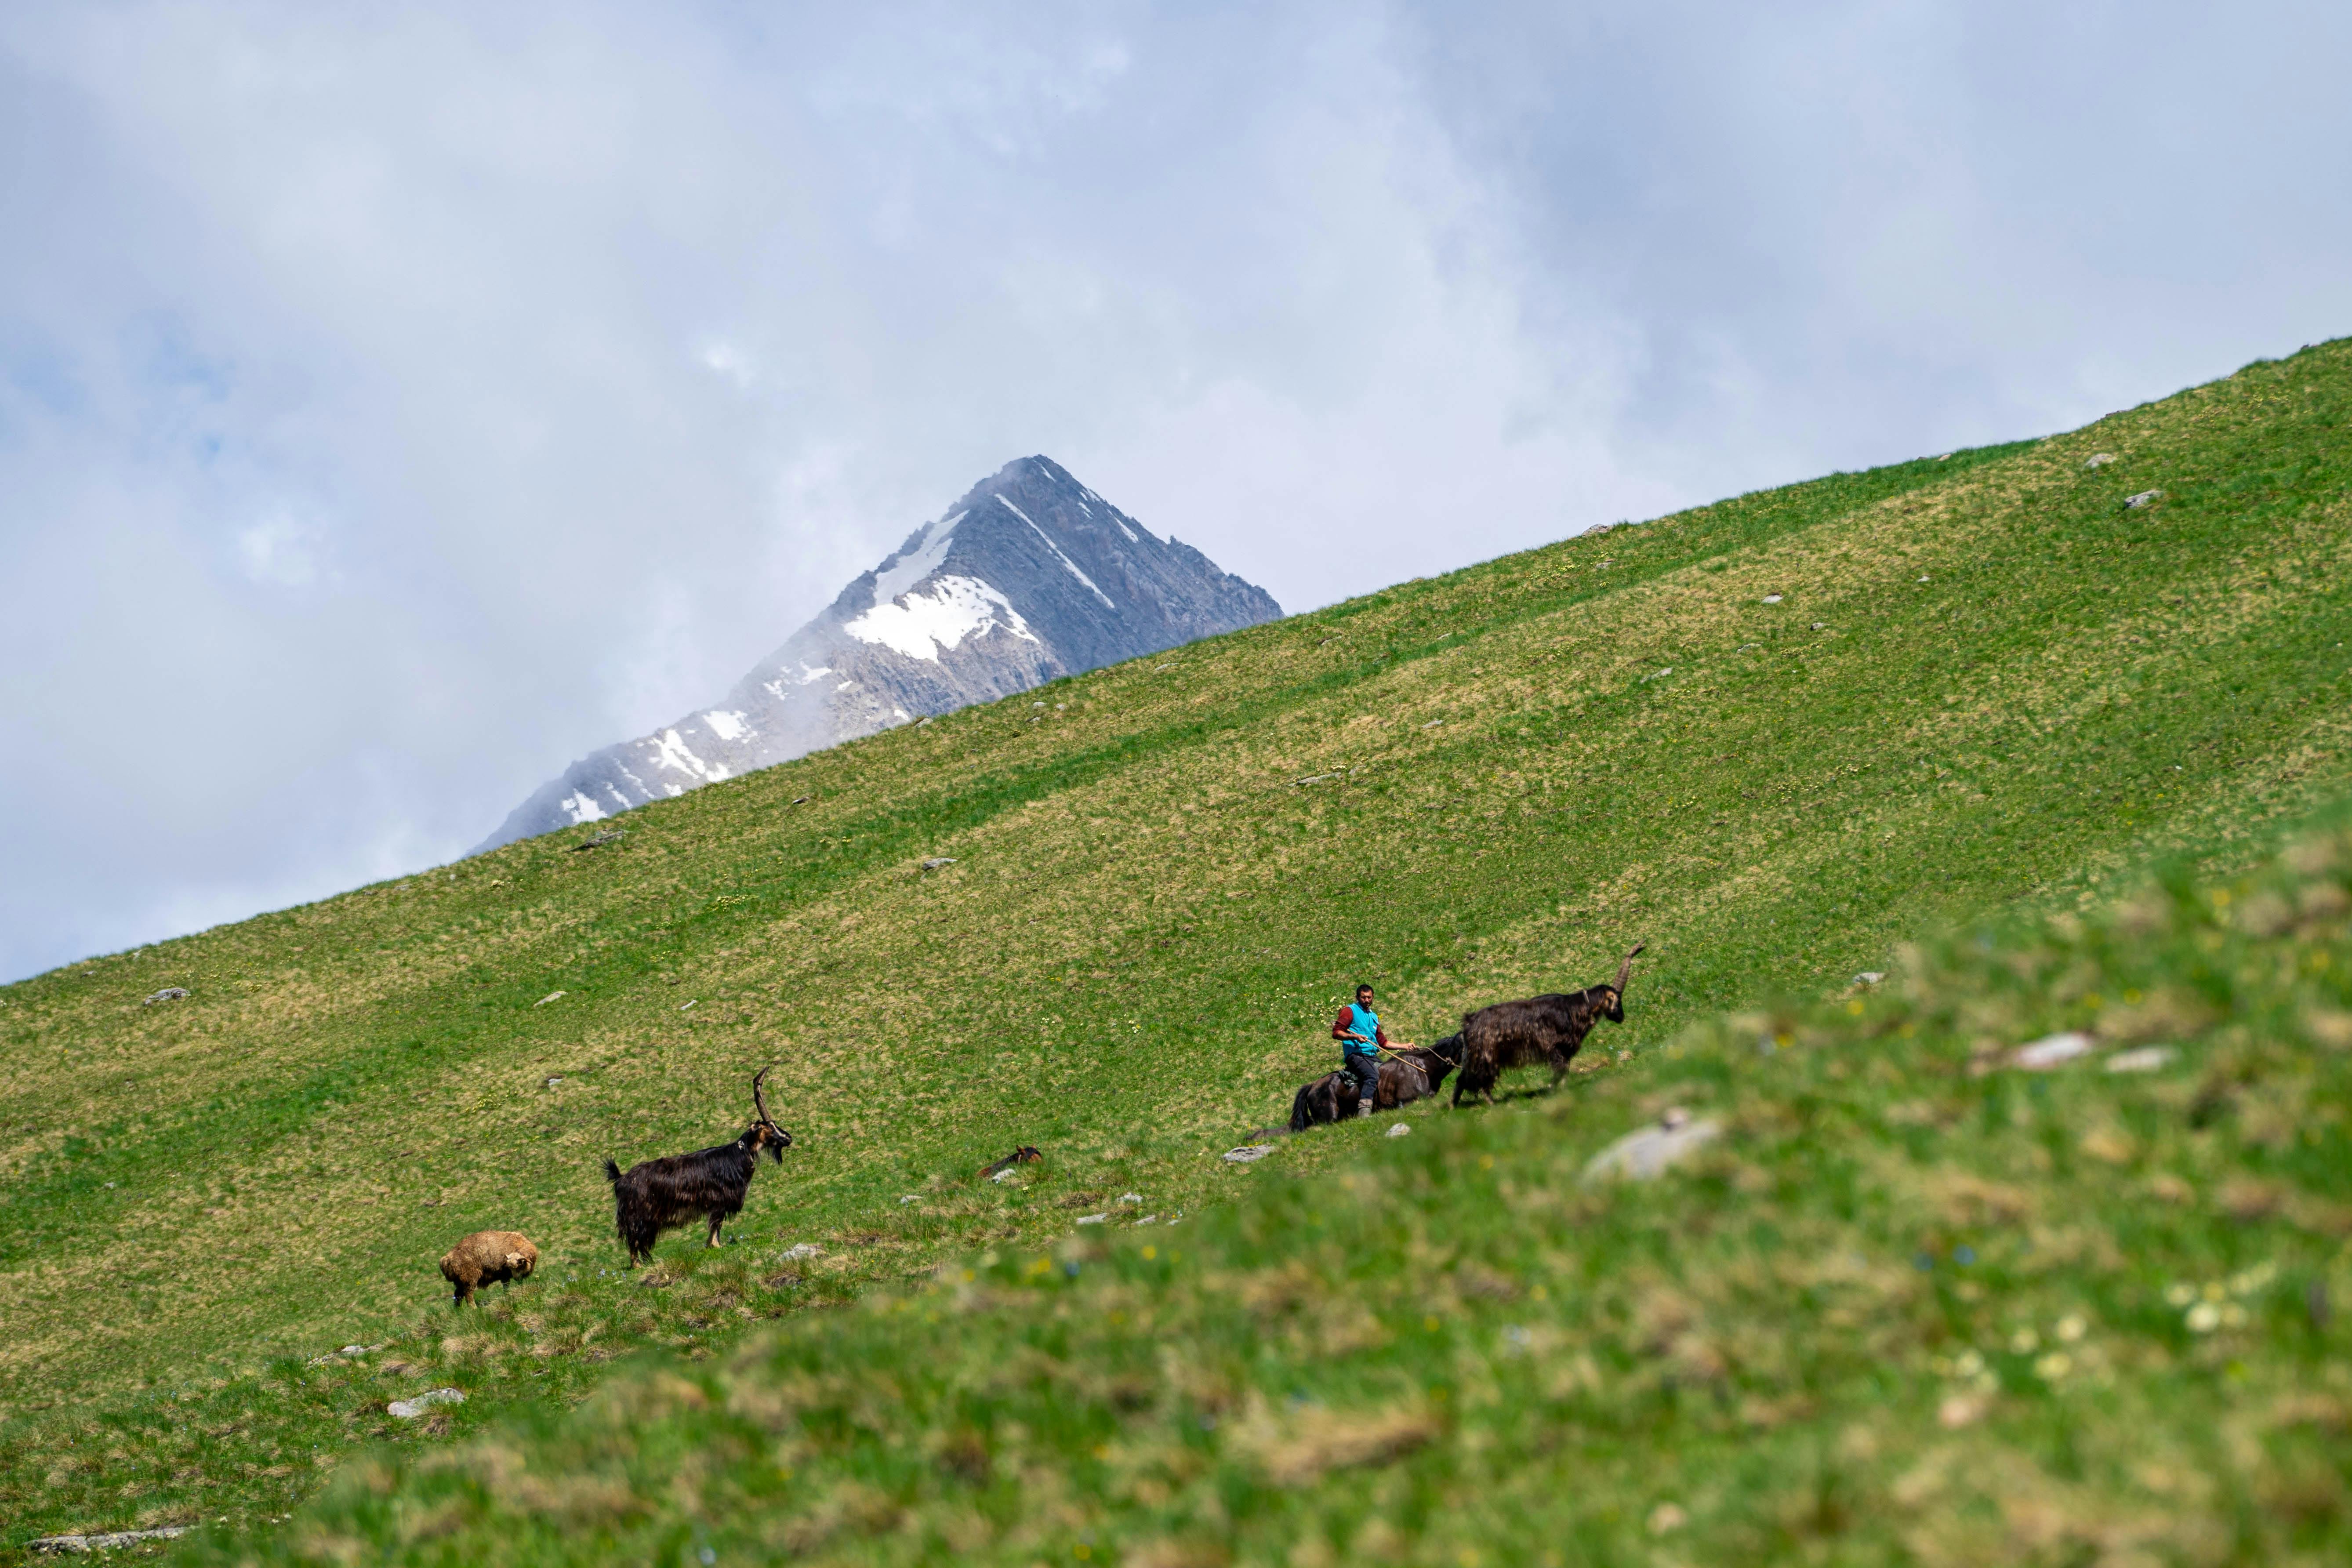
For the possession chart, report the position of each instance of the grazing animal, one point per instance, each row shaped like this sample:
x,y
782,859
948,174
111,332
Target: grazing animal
x,y
488,1257
1021,1156
655,1196
1540,1030
1334,1097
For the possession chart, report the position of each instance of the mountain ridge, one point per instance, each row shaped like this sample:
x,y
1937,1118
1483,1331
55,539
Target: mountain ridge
x,y
1029,576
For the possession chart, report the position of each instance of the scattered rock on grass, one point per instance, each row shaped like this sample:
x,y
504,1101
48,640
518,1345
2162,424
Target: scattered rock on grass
x,y
2098,459
2051,1051
800,1250
938,862
1772,598
1093,1219
2147,1058
550,996
1400,1130
2141,499
169,993
1650,1151
1248,1152
1870,977
410,1409
70,1545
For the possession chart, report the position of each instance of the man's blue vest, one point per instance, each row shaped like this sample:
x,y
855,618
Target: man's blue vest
x,y
1366,1023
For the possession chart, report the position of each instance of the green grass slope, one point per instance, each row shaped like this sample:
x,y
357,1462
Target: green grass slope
x,y
1913,1304
1986,679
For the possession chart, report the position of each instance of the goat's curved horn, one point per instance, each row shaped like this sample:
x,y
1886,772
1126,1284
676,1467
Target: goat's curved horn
x,y
758,1103
1626,970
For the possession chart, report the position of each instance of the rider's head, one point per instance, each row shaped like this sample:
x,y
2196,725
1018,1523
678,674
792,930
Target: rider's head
x,y
1363,996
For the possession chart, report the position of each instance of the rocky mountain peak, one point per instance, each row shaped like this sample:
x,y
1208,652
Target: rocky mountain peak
x,y
1029,576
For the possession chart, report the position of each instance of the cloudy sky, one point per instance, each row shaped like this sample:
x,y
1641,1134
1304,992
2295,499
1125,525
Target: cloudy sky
x,y
397,402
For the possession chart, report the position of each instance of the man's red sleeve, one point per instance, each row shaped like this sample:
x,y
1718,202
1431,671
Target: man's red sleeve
x,y
1339,1025
1381,1034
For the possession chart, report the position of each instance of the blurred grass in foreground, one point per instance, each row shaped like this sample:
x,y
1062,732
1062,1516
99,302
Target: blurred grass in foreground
x,y
1916,1301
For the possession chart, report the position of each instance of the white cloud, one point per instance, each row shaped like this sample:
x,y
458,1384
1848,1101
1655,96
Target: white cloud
x,y
439,392
281,552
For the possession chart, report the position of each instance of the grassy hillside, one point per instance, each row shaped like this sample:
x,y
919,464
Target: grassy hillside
x,y
1986,679
1914,1303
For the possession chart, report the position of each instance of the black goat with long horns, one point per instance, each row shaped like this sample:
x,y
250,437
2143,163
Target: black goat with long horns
x,y
655,1196
1541,1028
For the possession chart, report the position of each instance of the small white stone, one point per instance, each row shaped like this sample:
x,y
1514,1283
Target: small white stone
x,y
912,1198
410,1409
1772,598
1248,1152
1130,1197
1400,1130
1004,1176
2141,499
550,996
2147,1058
801,1250
1649,1152
1092,1218
77,1544
2052,1050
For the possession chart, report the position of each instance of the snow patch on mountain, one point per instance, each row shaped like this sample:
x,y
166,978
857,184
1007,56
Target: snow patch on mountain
x,y
670,752
911,566
924,626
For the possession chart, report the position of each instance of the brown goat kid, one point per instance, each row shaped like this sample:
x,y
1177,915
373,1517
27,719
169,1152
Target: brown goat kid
x,y
1540,1030
488,1257
655,1196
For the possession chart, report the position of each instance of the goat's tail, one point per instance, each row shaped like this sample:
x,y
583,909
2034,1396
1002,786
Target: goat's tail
x,y
612,1172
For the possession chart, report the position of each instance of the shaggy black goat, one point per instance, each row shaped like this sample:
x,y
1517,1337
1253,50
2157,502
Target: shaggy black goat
x,y
1540,1030
662,1194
